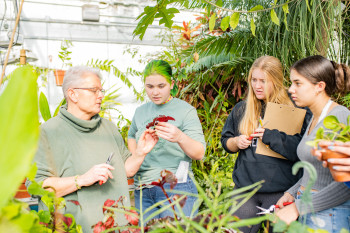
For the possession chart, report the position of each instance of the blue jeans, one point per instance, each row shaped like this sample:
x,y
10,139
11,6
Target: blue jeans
x,y
150,196
332,220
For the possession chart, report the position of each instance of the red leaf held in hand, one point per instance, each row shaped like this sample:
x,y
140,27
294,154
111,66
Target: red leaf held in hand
x,y
160,118
134,220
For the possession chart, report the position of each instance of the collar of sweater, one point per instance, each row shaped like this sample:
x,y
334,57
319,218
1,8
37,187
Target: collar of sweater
x,y
77,123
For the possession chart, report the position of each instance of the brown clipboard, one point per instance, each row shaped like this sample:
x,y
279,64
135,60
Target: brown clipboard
x,y
285,118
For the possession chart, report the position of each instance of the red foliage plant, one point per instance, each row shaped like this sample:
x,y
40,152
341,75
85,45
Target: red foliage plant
x,y
160,118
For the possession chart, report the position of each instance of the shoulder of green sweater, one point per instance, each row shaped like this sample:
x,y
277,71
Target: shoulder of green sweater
x,y
184,105
52,123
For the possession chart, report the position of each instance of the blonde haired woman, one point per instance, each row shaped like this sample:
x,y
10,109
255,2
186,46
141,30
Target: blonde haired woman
x,y
265,82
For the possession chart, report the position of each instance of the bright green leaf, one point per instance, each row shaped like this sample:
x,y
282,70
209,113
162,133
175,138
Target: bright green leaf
x,y
212,21
234,20
44,216
331,122
219,3
63,102
252,26
274,17
285,8
44,107
225,23
256,8
19,134
319,133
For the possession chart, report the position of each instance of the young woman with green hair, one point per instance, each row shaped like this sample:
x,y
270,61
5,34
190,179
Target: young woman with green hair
x,y
180,140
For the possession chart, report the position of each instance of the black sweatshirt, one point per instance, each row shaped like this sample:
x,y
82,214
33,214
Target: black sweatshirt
x,y
251,167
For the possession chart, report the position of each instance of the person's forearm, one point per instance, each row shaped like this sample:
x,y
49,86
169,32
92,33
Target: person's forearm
x,y
231,144
62,186
133,164
192,148
132,145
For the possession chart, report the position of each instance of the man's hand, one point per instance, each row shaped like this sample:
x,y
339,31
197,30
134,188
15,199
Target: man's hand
x,y
100,172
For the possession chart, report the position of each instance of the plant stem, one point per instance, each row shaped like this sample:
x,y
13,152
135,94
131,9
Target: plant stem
x,y
165,193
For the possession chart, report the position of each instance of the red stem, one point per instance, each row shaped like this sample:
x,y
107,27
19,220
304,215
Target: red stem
x,y
161,186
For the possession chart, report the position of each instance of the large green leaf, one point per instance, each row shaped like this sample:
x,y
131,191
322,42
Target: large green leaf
x,y
234,20
331,122
252,26
225,23
212,21
19,132
274,17
44,107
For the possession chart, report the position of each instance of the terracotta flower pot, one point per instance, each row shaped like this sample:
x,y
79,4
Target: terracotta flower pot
x,y
22,191
59,75
339,176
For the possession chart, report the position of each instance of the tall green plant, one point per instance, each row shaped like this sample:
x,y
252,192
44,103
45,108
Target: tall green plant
x,y
19,133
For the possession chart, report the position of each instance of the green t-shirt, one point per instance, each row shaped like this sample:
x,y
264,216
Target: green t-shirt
x,y
70,146
165,154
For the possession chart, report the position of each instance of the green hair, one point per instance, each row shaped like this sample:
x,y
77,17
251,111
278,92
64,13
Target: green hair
x,y
158,67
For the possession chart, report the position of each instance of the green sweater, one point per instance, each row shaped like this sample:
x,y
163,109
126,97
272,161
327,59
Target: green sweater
x,y
165,154
70,146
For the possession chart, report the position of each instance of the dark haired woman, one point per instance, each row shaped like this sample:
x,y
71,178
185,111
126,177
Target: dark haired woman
x,y
314,80
265,83
180,140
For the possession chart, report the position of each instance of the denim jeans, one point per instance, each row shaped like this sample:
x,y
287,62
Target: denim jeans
x,y
150,196
332,220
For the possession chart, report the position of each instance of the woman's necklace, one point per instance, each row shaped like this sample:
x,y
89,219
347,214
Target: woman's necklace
x,y
170,98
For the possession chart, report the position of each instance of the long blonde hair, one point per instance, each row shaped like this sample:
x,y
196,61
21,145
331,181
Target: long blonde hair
x,y
273,71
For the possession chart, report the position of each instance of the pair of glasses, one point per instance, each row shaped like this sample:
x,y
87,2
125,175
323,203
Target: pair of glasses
x,y
95,90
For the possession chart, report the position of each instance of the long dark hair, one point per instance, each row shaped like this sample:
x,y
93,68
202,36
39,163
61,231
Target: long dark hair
x,y
317,68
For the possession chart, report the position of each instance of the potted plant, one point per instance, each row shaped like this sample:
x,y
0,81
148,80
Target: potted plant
x,y
64,55
334,131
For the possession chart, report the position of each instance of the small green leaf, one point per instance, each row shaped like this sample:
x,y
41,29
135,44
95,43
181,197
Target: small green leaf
x,y
219,3
225,23
285,8
331,122
44,107
274,17
319,133
44,216
212,21
234,20
252,26
256,8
